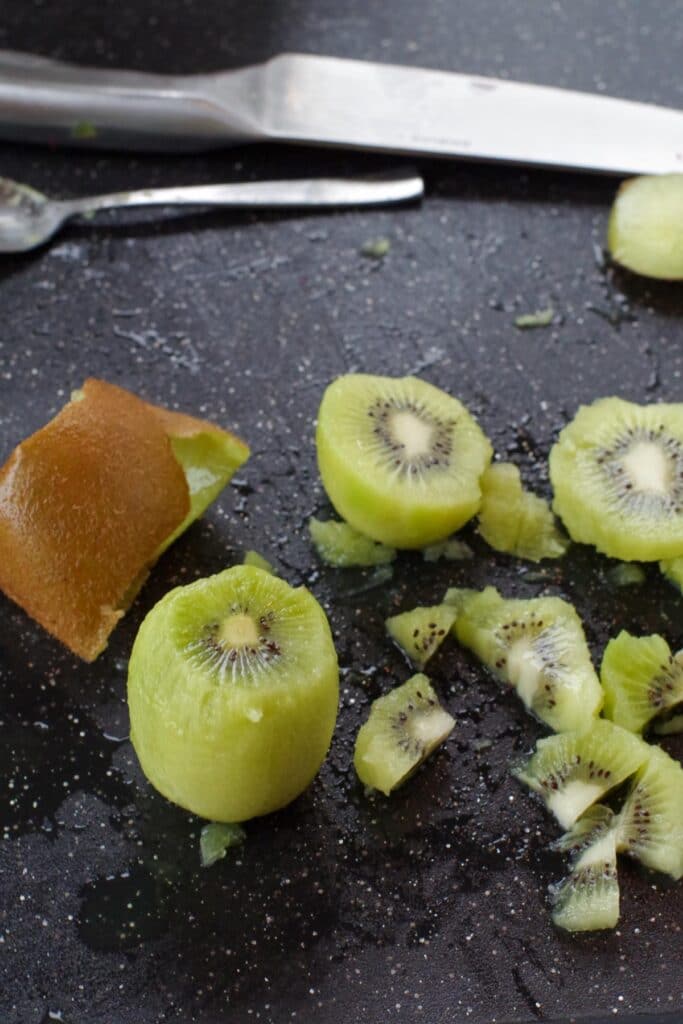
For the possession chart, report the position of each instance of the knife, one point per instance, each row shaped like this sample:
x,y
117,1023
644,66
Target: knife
x,y
329,101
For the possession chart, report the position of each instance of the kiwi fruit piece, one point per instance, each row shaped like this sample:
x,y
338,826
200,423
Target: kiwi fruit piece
x,y
641,679
644,230
672,568
586,830
258,561
217,838
452,550
404,727
626,574
515,521
573,770
421,631
588,899
232,692
338,544
650,824
537,646
617,474
399,458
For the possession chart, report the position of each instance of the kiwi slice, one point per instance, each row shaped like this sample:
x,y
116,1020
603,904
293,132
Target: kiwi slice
x,y
588,899
421,632
403,729
538,646
641,679
232,691
650,824
573,770
515,521
400,459
617,473
644,230
340,545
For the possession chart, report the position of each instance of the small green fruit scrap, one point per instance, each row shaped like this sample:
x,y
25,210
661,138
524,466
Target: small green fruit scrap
x,y
338,544
541,318
626,574
641,679
215,840
644,232
421,632
515,521
650,824
376,248
452,550
573,770
673,570
258,561
403,729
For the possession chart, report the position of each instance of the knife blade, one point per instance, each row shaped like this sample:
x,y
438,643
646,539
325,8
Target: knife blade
x,y
331,101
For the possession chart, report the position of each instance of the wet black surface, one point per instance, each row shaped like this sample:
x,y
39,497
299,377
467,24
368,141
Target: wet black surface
x,y
430,906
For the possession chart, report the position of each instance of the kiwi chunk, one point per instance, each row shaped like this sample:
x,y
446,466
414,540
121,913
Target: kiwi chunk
x,y
617,474
403,729
232,691
588,899
644,231
573,770
515,521
650,824
673,570
421,632
215,840
641,679
338,544
400,459
538,647
452,550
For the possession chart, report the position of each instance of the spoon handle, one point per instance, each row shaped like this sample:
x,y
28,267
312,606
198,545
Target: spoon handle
x,y
391,187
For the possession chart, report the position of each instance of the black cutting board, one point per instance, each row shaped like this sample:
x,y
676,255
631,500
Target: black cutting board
x,y
430,906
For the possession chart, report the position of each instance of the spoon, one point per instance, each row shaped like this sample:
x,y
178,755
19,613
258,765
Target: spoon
x,y
28,218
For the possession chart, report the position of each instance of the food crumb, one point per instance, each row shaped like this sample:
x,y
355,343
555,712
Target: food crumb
x,y
376,248
541,318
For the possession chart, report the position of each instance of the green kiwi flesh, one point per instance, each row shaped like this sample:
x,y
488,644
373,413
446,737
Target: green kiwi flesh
x,y
650,824
588,899
515,521
641,679
404,727
673,570
644,230
257,561
452,550
573,770
617,475
537,646
421,631
215,840
399,458
340,545
232,692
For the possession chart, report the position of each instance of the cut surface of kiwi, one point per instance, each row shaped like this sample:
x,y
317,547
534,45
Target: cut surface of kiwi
x,y
650,824
537,646
641,679
573,770
588,899
515,521
421,631
617,474
644,231
404,727
399,458
338,544
232,692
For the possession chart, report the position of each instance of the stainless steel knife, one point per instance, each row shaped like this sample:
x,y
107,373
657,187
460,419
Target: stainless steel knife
x,y
329,101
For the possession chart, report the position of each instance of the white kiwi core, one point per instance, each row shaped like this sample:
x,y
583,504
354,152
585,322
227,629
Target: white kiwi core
x,y
569,803
648,468
238,631
525,668
412,433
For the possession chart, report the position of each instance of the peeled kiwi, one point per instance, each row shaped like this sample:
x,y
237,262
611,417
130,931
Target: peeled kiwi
x,y
617,474
644,230
400,459
650,824
338,544
232,692
403,729
641,679
536,645
515,521
421,631
573,770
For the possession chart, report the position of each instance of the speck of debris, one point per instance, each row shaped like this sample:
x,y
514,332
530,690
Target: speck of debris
x,y
541,318
376,248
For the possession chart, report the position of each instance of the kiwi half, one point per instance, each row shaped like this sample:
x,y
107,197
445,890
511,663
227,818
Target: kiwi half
x,y
538,647
644,231
400,459
650,824
573,770
402,730
232,692
617,474
641,679
515,521
421,631
338,544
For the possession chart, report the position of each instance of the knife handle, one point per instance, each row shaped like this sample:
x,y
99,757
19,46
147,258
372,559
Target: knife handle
x,y
43,100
